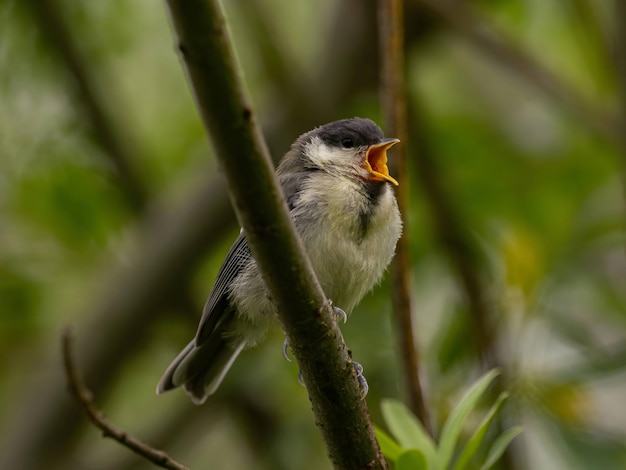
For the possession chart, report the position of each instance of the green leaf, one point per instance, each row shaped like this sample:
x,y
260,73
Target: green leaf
x,y
412,459
477,438
454,423
499,446
390,448
407,430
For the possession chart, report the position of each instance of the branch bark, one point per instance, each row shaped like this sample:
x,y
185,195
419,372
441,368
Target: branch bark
x,y
85,398
307,317
393,99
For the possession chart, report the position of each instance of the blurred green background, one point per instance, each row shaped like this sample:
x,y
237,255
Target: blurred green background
x,y
114,218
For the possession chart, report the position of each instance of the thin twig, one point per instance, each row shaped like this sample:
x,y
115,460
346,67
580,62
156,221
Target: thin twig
x,y
393,97
84,396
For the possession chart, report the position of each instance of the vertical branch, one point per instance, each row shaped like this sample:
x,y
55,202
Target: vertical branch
x,y
393,97
85,398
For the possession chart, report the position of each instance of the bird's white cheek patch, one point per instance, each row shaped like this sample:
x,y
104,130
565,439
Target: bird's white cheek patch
x,y
323,155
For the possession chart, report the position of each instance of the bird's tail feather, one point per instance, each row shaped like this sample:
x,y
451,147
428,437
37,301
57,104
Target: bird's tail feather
x,y
203,385
201,369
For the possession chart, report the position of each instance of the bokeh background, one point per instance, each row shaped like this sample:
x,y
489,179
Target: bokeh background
x,y
114,219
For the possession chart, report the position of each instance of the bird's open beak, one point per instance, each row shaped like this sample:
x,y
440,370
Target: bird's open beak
x,y
376,160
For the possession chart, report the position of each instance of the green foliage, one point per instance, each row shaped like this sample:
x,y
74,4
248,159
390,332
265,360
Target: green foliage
x,y
408,431
414,449
412,459
478,437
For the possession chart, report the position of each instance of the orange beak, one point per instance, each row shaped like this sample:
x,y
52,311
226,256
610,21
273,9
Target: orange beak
x,y
376,160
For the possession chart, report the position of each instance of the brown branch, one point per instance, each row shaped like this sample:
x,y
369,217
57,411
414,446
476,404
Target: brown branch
x,y
393,98
503,50
85,398
307,317
257,421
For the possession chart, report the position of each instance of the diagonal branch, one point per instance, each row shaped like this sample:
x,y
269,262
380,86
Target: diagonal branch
x,y
307,317
393,97
85,398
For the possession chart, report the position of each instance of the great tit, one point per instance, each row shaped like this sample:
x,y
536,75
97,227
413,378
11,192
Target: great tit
x,y
339,192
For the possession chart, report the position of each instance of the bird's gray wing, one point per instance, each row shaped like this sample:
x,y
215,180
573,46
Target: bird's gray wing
x,y
217,306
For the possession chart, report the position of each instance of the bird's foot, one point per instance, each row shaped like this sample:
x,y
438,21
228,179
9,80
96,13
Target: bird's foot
x,y
339,313
358,368
285,351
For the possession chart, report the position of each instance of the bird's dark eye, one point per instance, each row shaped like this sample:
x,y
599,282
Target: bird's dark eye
x,y
347,143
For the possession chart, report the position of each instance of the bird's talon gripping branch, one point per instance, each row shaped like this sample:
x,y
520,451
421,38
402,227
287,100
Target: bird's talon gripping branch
x,y
339,313
285,351
358,368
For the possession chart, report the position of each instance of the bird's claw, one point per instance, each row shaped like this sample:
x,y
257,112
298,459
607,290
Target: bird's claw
x,y
358,368
285,352
339,313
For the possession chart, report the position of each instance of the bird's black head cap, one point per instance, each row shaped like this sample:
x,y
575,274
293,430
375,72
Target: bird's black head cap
x,y
357,133
347,133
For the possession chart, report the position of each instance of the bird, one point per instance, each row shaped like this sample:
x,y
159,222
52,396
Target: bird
x,y
339,192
